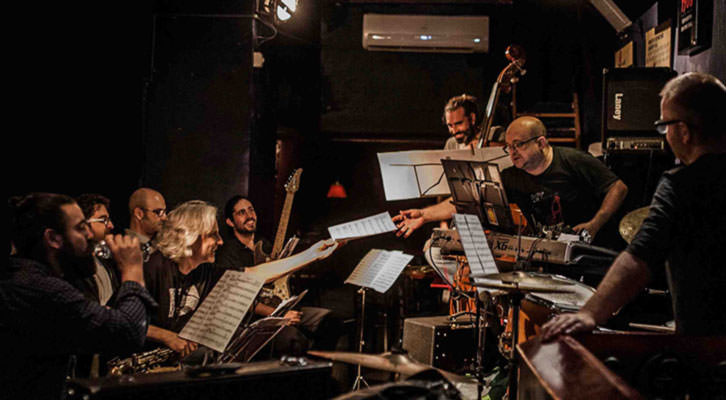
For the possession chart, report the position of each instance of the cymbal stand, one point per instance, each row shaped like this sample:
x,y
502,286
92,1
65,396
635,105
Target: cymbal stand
x,y
359,377
515,301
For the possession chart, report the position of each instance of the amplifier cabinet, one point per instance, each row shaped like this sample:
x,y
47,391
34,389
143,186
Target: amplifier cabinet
x,y
433,341
255,380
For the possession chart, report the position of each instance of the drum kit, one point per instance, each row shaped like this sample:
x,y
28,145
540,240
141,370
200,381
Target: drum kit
x,y
523,302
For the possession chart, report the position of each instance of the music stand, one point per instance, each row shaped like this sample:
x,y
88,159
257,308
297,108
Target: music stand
x,y
252,339
477,189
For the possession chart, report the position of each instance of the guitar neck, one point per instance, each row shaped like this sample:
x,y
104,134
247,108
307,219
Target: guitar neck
x,y
282,226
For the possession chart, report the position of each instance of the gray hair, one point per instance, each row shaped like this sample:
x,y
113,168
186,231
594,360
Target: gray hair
x,y
699,99
183,226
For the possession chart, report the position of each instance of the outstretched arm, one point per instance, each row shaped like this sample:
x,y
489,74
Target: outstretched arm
x,y
408,221
273,270
610,204
626,277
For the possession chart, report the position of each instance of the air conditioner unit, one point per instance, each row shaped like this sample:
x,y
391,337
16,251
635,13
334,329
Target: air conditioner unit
x,y
426,33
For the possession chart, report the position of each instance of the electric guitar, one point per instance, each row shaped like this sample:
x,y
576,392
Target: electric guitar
x,y
280,289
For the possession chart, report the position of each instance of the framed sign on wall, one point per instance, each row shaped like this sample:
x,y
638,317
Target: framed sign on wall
x,y
695,18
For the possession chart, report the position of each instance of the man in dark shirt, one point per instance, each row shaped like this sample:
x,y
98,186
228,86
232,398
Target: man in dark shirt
x,y
589,193
43,319
686,225
239,253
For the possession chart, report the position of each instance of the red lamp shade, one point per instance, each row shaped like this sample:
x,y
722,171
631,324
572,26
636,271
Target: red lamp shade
x,y
337,191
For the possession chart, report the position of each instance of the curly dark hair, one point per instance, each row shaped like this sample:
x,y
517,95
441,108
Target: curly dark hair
x,y
31,215
89,201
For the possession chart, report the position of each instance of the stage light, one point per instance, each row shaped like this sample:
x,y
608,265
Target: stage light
x,y
285,9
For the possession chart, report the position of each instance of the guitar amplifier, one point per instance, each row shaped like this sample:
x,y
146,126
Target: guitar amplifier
x,y
255,380
434,341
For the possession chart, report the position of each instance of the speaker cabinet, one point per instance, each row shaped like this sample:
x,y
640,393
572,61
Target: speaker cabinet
x,y
631,102
433,341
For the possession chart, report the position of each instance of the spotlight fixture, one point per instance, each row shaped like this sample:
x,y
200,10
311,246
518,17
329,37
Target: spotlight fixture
x,y
277,10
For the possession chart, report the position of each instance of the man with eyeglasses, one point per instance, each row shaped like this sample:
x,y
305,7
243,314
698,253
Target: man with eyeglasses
x,y
104,282
686,225
147,209
582,190
44,320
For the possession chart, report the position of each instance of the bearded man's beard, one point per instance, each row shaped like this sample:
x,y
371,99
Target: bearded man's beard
x,y
468,136
77,265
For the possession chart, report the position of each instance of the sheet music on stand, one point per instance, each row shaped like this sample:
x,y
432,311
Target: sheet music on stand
x,y
369,226
219,315
288,305
379,269
476,248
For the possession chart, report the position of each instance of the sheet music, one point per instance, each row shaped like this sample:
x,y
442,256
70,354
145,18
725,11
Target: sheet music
x,y
369,226
217,319
379,269
287,305
476,248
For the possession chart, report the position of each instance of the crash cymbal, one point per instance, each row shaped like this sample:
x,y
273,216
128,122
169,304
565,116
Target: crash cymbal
x,y
399,363
391,362
522,278
631,222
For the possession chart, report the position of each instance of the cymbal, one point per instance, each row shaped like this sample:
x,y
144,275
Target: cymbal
x,y
631,222
392,362
522,277
510,287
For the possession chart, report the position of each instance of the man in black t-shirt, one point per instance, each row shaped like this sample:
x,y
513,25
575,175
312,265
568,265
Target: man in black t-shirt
x,y
589,194
686,225
558,184
238,253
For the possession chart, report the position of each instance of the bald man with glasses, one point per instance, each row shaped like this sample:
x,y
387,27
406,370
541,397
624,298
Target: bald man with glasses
x,y
147,211
586,193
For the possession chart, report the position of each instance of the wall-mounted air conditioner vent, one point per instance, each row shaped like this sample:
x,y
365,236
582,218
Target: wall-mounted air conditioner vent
x,y
426,33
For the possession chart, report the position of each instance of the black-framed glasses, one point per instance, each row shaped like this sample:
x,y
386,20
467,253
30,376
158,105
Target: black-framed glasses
x,y
160,212
104,220
518,145
662,125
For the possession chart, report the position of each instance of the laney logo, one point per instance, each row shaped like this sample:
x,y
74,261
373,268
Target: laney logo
x,y
618,114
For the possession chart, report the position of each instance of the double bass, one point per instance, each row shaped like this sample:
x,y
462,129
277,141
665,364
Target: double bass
x,y
506,80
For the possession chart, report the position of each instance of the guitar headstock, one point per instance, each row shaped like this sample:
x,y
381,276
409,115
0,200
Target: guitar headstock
x,y
293,182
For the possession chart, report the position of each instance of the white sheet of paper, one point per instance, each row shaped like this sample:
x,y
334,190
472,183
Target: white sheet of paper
x,y
369,226
379,269
476,248
405,174
219,315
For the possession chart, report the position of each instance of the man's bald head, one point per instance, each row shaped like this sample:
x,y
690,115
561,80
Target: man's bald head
x,y
147,208
529,127
142,197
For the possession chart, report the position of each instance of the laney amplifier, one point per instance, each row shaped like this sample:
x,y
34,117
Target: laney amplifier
x,y
434,341
630,102
635,144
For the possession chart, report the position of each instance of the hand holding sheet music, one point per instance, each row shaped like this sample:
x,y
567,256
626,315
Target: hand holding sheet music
x,y
373,225
379,269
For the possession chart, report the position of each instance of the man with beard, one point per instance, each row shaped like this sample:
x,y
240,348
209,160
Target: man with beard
x,y
43,319
104,282
238,253
147,211
460,117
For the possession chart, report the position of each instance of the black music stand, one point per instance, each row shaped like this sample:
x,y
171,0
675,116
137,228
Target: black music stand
x,y
477,189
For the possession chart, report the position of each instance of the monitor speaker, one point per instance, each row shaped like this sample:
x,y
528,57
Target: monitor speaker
x,y
631,101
